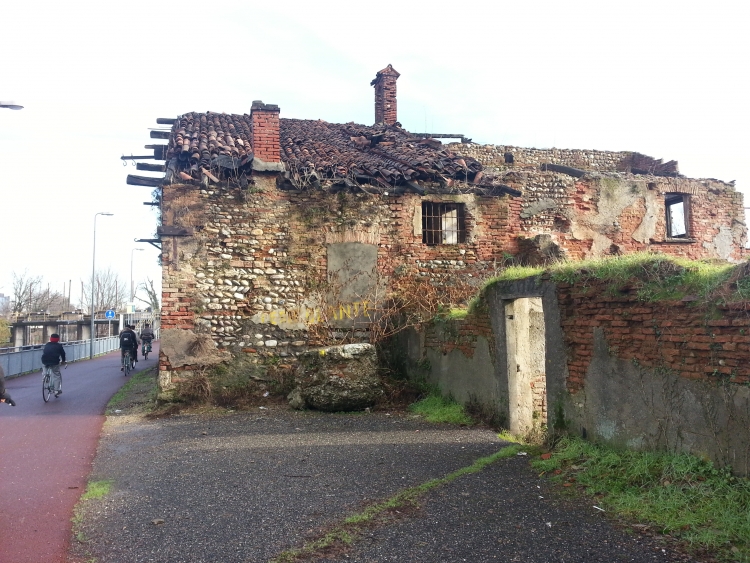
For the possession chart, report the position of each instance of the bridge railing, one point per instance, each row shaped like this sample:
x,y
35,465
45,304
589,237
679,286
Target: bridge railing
x,y
23,359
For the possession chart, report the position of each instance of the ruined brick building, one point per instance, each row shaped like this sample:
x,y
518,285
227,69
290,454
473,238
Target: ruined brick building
x,y
273,226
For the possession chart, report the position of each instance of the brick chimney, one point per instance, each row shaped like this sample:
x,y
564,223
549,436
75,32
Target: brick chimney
x,y
385,95
265,129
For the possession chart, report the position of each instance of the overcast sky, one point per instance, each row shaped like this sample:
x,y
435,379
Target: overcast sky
x,y
667,79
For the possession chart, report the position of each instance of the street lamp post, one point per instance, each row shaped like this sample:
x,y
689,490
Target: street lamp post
x,y
132,290
93,281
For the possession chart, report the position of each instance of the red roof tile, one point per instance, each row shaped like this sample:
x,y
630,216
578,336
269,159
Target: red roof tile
x,y
381,155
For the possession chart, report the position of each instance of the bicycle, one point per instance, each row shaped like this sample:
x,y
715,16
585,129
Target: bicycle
x,y
145,349
48,389
127,363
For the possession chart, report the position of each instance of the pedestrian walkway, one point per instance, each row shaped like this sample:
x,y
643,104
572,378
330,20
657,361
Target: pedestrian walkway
x,y
245,487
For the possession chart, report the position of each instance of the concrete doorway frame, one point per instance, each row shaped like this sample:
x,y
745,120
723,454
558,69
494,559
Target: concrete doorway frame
x,y
525,337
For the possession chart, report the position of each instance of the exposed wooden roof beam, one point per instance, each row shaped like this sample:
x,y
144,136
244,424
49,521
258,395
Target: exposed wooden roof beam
x,y
131,157
144,181
438,135
155,242
150,167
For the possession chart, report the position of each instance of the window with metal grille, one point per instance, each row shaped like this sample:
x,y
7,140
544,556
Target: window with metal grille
x,y
677,215
443,223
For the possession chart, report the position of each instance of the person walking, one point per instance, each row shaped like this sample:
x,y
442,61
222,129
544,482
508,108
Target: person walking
x,y
52,355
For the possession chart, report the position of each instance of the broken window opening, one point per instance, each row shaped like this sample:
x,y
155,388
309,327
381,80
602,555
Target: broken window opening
x,y
443,223
677,209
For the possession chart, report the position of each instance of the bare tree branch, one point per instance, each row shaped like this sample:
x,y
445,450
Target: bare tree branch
x,y
109,292
153,297
31,294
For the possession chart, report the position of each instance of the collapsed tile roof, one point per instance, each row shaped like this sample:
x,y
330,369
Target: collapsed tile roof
x,y
316,152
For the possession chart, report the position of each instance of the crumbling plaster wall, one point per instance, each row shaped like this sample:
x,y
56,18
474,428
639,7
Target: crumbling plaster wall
x,y
624,403
667,375
654,376
613,213
468,358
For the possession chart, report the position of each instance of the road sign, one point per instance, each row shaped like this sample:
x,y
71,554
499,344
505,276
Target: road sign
x,y
110,314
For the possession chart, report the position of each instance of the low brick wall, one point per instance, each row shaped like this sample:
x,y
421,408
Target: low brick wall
x,y
671,375
681,336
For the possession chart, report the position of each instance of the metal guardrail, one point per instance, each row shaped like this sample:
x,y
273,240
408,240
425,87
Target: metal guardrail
x,y
24,359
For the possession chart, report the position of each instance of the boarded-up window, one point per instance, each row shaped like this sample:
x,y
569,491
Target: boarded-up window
x,y
677,215
443,223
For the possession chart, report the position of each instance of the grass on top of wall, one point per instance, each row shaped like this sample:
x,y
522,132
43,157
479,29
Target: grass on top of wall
x,y
677,494
653,277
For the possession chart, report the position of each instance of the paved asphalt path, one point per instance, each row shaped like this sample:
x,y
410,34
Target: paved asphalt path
x,y
243,487
46,452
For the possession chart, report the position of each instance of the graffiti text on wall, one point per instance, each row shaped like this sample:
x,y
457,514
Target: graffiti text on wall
x,y
316,315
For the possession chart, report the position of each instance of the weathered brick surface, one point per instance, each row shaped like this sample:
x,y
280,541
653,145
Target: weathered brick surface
x,y
385,96
459,334
679,336
265,132
259,249
259,253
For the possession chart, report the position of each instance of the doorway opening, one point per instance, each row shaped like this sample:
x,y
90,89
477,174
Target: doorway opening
x,y
527,380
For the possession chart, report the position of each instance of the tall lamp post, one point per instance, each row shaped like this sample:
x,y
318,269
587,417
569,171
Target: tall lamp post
x,y
132,290
93,282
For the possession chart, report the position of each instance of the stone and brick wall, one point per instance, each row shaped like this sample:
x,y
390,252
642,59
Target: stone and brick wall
x,y
254,254
493,156
252,271
679,336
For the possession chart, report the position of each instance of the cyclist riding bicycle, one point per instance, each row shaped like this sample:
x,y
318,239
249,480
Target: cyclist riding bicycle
x,y
147,335
129,343
52,355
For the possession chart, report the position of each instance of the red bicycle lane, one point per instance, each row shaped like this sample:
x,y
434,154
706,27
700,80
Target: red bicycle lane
x,y
46,452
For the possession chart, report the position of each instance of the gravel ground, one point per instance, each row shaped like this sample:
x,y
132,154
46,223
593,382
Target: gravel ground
x,y
243,487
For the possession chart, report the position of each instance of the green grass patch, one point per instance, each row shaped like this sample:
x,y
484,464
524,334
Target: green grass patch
x,y
97,489
436,408
656,277
677,494
506,436
514,273
347,532
94,490
652,276
456,313
141,389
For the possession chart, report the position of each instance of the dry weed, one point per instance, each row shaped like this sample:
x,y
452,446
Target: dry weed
x,y
201,346
195,387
